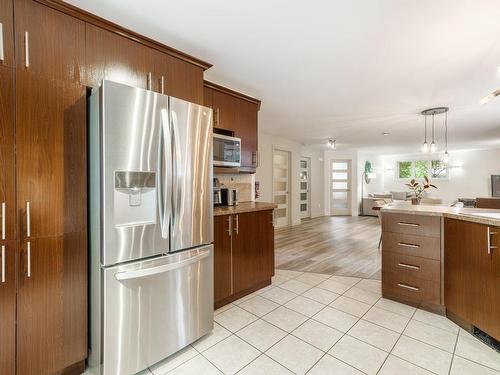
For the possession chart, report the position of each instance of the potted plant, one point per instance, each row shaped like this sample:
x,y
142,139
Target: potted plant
x,y
419,189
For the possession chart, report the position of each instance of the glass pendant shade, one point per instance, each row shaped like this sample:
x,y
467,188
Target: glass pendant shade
x,y
433,147
446,157
425,147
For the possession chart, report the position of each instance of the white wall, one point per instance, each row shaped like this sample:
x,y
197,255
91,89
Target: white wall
x,y
355,192
264,175
469,175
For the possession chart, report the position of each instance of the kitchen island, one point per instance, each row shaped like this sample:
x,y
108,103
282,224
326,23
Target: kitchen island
x,y
243,250
446,260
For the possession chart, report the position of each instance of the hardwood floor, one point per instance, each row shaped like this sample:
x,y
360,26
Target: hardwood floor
x,y
341,245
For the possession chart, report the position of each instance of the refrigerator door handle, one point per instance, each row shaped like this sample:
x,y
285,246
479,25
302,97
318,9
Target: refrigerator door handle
x,y
120,276
176,162
164,175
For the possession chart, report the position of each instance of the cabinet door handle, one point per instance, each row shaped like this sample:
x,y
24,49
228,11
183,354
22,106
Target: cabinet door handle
x,y
404,244
28,220
404,265
408,224
28,244
26,49
237,228
3,220
229,226
148,83
162,84
2,57
217,116
489,234
3,264
405,286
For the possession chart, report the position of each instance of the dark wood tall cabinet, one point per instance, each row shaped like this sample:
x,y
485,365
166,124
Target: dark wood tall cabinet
x,y
8,243
472,274
7,33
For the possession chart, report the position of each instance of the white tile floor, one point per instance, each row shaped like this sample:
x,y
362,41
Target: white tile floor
x,y
321,324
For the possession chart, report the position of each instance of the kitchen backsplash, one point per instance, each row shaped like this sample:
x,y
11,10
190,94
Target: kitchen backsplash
x,y
245,183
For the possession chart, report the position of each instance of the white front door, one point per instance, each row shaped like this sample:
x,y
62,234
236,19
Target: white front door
x,y
304,196
340,187
281,186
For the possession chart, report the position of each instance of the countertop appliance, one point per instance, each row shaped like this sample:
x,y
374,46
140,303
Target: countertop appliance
x,y
227,151
229,196
217,192
151,263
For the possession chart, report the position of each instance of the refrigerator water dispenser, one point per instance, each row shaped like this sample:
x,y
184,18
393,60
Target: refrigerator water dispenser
x,y
135,198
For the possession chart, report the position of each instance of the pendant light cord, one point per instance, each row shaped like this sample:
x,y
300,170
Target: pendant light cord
x,y
446,131
425,129
433,128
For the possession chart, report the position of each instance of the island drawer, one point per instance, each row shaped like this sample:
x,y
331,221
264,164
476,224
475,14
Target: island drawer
x,y
407,244
419,225
422,268
407,288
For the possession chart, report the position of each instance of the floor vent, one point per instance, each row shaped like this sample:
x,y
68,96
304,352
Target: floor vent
x,y
487,339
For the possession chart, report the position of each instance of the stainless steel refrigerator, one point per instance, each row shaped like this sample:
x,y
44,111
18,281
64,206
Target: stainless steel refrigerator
x,y
151,227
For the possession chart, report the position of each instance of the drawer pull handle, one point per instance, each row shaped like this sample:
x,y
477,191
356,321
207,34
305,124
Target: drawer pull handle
x,y
404,244
408,224
401,285
404,265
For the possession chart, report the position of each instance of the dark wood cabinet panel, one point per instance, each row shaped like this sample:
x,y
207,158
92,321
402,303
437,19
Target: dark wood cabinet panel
x,y
51,155
471,275
7,34
182,80
116,58
222,259
8,308
253,254
55,42
247,130
52,305
7,156
493,203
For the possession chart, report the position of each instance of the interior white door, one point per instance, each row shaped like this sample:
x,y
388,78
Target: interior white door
x,y
281,186
304,180
340,187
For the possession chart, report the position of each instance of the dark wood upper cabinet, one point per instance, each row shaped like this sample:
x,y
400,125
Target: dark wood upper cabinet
x,y
253,253
7,157
6,33
222,259
238,114
8,308
51,155
52,307
472,274
48,42
116,58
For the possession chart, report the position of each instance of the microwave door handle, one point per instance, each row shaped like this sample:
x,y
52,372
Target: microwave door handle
x,y
164,175
128,275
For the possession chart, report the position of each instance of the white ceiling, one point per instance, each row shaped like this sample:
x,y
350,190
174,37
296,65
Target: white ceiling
x,y
347,69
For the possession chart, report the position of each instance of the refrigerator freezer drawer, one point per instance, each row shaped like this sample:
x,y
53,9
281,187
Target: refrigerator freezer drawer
x,y
155,307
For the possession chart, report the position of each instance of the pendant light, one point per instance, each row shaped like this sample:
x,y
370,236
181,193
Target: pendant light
x,y
425,146
331,144
433,144
446,156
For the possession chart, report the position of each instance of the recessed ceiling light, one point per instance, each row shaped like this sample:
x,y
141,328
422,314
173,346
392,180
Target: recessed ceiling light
x,y
385,133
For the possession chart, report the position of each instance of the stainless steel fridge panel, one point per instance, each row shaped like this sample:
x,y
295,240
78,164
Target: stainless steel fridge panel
x,y
154,308
135,170
192,198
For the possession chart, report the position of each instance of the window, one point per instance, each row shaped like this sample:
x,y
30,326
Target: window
x,y
405,169
420,168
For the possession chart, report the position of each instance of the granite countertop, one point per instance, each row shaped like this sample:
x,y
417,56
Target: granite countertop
x,y
243,207
467,214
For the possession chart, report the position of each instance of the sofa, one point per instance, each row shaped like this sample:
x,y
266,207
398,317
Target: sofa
x,y
388,197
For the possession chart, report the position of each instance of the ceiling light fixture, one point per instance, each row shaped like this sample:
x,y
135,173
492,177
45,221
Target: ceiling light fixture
x,y
487,98
433,147
446,156
331,143
385,133
425,146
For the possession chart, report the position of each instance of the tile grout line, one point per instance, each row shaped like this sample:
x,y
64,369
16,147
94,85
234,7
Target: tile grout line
x,y
453,355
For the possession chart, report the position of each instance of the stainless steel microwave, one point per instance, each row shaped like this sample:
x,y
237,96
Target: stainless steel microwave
x,y
227,151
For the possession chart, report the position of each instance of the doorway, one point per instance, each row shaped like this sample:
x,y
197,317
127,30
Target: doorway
x,y
340,187
304,195
281,186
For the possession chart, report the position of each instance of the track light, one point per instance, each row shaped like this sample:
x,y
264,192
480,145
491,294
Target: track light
x,y
331,143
